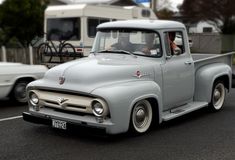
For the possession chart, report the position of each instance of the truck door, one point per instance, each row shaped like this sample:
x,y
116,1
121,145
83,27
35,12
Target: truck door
x,y
178,73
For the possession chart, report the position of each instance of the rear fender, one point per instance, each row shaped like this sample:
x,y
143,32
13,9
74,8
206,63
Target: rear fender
x,y
205,78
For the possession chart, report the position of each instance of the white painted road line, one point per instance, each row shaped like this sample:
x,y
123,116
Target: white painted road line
x,y
10,118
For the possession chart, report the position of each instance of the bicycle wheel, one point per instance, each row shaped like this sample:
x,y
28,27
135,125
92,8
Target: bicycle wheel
x,y
67,50
44,51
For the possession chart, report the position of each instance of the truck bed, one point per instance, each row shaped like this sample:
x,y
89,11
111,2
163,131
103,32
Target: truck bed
x,y
204,59
201,56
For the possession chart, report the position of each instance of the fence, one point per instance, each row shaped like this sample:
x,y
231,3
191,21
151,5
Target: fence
x,y
27,56
212,43
22,55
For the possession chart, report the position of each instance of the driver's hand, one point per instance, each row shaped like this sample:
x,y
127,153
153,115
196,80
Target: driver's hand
x,y
146,51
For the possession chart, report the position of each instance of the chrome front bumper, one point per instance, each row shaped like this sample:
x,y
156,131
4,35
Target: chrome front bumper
x,y
47,120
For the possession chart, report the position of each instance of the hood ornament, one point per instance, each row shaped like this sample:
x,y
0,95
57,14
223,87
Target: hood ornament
x,y
61,100
61,80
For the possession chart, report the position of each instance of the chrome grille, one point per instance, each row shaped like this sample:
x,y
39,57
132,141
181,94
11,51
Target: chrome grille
x,y
64,102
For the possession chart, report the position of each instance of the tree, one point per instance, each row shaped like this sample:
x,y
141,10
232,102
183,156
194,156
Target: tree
x,y
219,12
22,19
165,14
163,9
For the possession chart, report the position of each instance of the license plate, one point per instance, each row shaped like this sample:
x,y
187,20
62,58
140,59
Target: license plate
x,y
59,124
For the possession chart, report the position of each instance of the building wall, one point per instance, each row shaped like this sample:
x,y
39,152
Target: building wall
x,y
198,28
206,43
212,43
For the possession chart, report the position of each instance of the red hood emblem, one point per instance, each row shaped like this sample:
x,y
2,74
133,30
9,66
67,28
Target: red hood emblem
x,y
61,80
139,75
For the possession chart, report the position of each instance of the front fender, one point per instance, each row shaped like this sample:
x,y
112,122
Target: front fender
x,y
205,78
122,97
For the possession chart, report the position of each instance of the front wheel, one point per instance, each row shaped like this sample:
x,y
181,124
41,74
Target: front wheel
x,y
218,96
18,93
141,117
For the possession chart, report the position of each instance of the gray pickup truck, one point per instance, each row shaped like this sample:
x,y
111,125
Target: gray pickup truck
x,y
133,79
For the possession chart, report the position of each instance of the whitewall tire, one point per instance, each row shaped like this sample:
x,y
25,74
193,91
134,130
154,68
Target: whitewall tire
x,y
218,96
141,117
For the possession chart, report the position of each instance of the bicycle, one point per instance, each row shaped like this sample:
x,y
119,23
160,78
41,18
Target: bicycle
x,y
49,49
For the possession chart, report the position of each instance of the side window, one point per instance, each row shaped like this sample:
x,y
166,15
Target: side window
x,y
92,24
174,42
179,41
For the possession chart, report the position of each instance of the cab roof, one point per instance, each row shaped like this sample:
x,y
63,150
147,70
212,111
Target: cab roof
x,y
142,24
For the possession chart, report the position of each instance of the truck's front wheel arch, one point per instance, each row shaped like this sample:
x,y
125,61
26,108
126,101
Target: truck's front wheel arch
x,y
154,104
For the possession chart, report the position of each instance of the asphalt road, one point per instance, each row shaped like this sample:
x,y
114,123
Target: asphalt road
x,y
198,136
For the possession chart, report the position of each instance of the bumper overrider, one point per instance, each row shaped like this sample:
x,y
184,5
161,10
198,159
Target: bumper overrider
x,y
63,111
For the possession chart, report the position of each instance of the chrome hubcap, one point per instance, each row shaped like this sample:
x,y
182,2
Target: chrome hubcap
x,y
218,96
21,90
140,117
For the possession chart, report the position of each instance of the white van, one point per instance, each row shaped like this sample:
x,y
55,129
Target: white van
x,y
77,23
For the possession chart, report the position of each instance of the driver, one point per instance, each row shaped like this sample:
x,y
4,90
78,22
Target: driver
x,y
149,39
175,50
123,43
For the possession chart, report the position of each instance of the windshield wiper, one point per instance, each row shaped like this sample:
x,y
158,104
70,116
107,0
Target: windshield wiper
x,y
105,51
118,51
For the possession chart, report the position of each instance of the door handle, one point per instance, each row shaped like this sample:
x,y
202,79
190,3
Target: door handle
x,y
188,62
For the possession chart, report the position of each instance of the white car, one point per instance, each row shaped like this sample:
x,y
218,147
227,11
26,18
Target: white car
x,y
14,78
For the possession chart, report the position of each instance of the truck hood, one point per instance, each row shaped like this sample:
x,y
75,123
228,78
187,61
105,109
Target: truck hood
x,y
87,74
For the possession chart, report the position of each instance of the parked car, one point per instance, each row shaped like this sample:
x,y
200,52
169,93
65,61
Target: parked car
x,y
117,89
14,78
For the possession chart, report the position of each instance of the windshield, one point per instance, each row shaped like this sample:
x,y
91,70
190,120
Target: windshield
x,y
137,42
63,29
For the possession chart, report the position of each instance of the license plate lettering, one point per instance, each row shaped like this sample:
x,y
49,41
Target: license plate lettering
x,y
59,124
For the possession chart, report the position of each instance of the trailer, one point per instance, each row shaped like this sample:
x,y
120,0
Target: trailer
x,y
77,23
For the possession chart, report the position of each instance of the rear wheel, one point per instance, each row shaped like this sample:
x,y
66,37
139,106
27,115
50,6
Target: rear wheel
x,y
141,117
218,96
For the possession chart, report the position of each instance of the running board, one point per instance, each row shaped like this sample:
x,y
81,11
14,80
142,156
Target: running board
x,y
177,112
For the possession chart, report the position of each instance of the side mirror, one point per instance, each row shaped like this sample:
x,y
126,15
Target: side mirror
x,y
190,42
168,57
177,52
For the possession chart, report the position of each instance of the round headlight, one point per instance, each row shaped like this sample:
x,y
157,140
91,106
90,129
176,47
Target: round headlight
x,y
97,108
33,98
